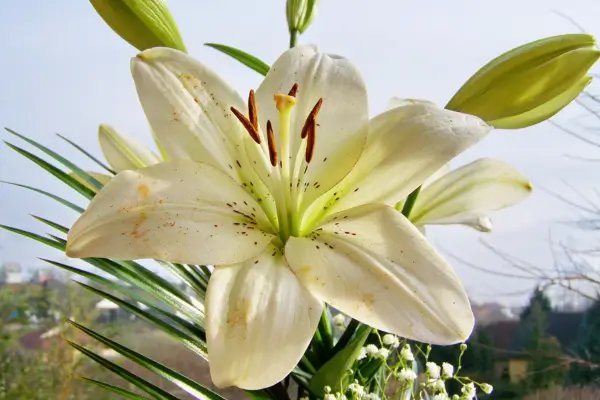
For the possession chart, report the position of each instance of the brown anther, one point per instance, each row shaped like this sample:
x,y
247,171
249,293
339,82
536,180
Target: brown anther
x,y
294,90
271,142
312,116
252,114
252,131
310,140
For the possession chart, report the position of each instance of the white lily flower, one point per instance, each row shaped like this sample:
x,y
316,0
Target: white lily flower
x,y
469,194
291,200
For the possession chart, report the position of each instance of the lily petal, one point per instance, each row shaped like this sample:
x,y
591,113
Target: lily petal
x,y
395,102
124,152
259,321
342,120
188,107
469,193
371,263
406,145
180,211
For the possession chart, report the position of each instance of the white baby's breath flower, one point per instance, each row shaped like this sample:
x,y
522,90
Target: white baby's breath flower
x,y
406,375
440,396
468,391
327,389
383,353
356,389
304,398
292,201
371,349
371,396
447,370
487,388
406,353
362,353
437,385
432,370
339,320
329,396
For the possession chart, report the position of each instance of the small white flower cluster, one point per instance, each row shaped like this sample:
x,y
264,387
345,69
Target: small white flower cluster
x,y
373,351
436,383
357,392
391,341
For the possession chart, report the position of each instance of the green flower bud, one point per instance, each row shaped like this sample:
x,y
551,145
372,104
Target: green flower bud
x,y
529,84
300,14
142,23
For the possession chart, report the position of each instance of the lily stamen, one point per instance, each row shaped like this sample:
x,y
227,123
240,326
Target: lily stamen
x,y
294,90
310,140
312,116
271,142
252,112
250,128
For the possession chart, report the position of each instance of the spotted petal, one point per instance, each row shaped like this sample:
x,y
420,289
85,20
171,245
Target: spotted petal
x,y
371,263
259,321
406,145
180,211
188,107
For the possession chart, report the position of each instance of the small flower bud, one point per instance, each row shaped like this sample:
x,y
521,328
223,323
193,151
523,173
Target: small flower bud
x,y
142,23
300,14
530,83
327,389
487,388
406,353
339,320
329,396
391,340
463,347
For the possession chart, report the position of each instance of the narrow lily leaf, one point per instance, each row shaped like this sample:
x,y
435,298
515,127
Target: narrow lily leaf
x,y
52,224
34,236
81,189
141,383
102,178
182,381
243,57
333,371
90,156
52,196
184,337
84,175
114,389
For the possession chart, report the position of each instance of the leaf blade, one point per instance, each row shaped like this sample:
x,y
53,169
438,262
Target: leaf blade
x,y
247,59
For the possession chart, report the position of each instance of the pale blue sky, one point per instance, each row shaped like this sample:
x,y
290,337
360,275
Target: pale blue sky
x,y
63,70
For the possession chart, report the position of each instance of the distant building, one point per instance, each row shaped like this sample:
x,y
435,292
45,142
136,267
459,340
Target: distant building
x,y
11,273
509,343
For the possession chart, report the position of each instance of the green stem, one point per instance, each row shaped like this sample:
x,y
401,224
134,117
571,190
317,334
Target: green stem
x,y
293,37
410,202
346,336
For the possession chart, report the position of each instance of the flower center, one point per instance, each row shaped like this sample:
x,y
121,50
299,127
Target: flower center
x,y
286,161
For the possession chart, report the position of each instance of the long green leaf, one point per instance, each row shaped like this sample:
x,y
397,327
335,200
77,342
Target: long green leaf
x,y
130,377
114,389
52,196
79,187
52,224
78,171
243,57
89,155
182,381
34,236
194,343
